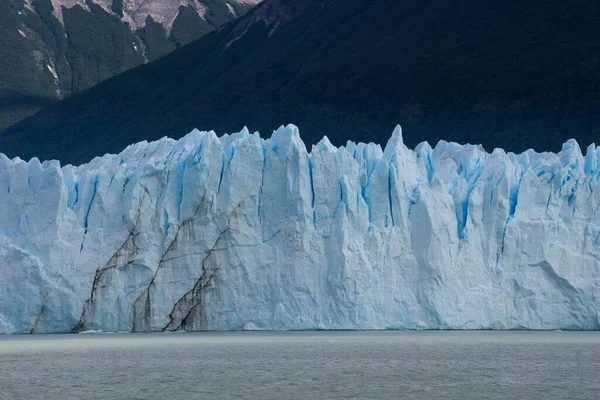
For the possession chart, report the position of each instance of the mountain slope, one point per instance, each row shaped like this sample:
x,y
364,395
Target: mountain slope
x,y
510,74
51,49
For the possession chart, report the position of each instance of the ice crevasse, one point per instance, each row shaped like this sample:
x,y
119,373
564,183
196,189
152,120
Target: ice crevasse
x,y
234,232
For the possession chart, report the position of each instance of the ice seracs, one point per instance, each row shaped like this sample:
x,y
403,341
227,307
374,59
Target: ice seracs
x,y
238,232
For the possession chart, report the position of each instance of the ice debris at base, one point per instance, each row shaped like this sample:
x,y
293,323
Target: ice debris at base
x,y
238,232
251,327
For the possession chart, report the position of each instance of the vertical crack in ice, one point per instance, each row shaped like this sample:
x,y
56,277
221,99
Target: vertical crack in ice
x,y
76,193
145,296
312,189
514,195
87,214
183,308
430,167
513,198
471,176
38,317
180,191
312,185
221,174
504,234
389,189
128,250
181,316
141,322
262,183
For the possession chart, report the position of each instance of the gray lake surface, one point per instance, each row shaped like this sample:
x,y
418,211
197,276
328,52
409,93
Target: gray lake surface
x,y
302,365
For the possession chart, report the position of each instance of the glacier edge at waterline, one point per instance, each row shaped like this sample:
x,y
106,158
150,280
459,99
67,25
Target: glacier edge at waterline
x,y
220,233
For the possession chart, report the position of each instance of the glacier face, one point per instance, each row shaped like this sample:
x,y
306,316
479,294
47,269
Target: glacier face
x,y
237,231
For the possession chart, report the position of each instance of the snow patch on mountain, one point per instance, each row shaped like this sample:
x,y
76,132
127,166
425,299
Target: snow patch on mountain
x,y
135,12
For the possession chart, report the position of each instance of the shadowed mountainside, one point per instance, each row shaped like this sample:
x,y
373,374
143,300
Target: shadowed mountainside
x,y
506,74
52,49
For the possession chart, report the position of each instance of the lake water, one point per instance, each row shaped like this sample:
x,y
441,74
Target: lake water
x,y
302,365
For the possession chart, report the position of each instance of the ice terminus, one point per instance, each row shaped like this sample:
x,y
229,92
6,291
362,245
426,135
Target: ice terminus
x,y
209,233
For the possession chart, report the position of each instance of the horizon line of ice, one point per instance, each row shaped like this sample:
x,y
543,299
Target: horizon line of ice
x,y
360,150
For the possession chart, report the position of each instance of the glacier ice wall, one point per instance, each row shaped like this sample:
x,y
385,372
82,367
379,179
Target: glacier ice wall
x,y
237,231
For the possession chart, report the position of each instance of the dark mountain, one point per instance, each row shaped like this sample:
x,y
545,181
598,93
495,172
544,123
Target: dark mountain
x,y
51,49
511,74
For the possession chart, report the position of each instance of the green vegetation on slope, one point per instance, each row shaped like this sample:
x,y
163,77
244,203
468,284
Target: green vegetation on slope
x,y
25,82
100,46
188,26
155,40
92,46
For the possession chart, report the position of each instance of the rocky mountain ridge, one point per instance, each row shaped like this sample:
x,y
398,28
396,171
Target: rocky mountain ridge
x,y
54,48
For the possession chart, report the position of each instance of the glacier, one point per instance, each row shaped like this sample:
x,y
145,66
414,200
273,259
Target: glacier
x,y
239,232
